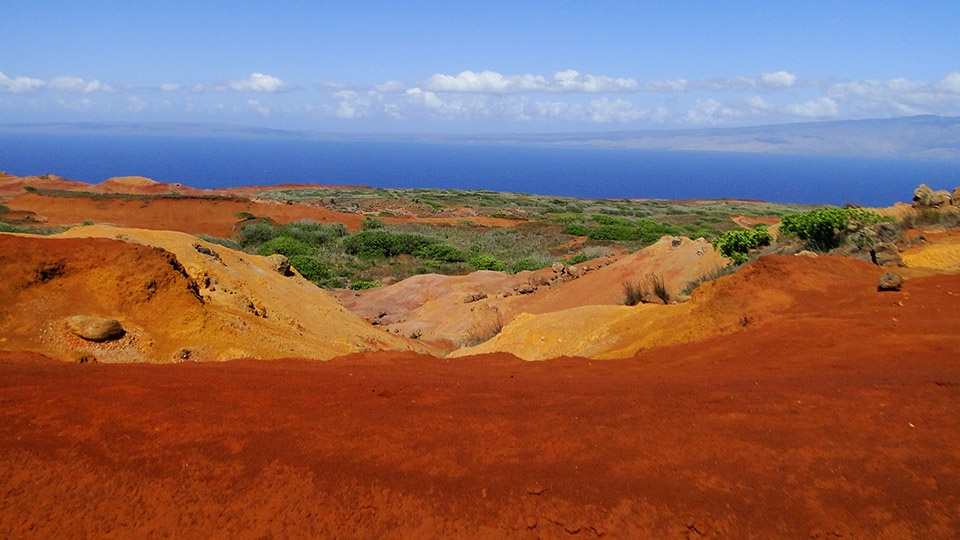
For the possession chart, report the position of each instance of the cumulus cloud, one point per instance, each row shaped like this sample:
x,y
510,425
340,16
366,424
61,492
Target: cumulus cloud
x,y
780,79
258,82
491,82
19,85
77,85
170,87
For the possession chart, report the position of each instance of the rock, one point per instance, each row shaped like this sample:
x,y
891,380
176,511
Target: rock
x,y
955,197
206,251
923,196
280,264
676,241
890,282
526,288
96,329
806,253
474,297
886,255
557,267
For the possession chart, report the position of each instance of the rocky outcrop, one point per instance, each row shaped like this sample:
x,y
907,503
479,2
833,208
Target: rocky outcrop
x,y
925,197
886,255
97,329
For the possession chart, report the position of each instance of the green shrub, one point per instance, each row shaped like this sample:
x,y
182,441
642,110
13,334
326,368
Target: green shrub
x,y
528,263
440,252
826,228
255,234
372,223
576,229
374,244
361,285
483,261
285,246
310,267
579,258
737,244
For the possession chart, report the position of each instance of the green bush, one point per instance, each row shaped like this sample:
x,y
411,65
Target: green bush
x,y
579,258
826,228
255,234
285,246
440,252
361,285
737,244
372,223
483,261
374,244
310,267
528,263
576,229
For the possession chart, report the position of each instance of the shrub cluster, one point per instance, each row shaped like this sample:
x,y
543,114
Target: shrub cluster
x,y
737,244
383,244
621,229
825,228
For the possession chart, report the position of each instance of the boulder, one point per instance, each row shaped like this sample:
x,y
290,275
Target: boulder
x,y
955,198
886,255
890,282
96,329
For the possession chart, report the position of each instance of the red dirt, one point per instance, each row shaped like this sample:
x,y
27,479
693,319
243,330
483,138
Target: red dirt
x,y
801,427
194,215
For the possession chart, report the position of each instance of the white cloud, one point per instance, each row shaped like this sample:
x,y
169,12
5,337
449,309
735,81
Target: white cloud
x,y
391,87
950,83
815,108
170,87
606,111
77,85
780,79
19,85
491,82
258,82
484,82
677,85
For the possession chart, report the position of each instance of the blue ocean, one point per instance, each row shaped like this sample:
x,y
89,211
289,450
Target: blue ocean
x,y
211,162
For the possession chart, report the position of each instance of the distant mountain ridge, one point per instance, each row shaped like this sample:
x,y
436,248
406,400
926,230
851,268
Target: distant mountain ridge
x,y
915,137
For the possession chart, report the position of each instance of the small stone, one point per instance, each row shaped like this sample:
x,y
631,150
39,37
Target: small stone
x,y
890,282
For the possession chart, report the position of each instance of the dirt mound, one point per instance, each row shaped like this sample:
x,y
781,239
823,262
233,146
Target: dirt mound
x,y
770,288
175,302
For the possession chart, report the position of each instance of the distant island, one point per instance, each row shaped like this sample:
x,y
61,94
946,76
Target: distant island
x,y
914,137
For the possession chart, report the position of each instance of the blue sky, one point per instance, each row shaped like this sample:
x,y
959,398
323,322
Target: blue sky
x,y
463,67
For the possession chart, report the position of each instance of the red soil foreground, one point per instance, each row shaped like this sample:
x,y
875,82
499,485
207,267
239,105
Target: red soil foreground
x,y
765,433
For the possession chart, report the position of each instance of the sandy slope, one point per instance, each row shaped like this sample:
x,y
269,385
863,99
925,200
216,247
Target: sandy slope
x,y
175,301
772,287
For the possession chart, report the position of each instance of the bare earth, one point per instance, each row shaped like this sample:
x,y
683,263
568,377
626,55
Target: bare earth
x,y
789,399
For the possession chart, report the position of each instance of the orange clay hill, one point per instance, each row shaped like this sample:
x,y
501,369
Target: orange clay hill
x,y
157,384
